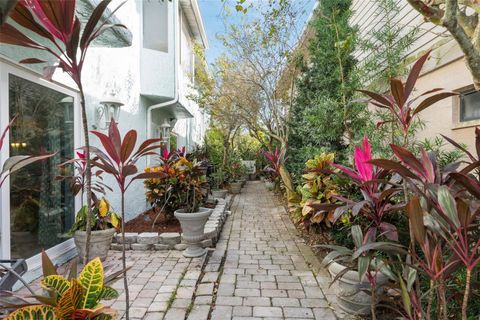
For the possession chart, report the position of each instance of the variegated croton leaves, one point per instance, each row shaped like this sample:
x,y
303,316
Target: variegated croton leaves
x,y
70,297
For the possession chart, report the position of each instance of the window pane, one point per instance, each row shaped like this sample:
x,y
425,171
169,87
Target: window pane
x,y
41,208
155,25
470,106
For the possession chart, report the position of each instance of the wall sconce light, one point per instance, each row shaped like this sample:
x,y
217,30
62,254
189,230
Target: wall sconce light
x,y
165,129
108,109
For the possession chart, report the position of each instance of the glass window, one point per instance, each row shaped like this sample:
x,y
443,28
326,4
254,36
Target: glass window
x,y
470,106
41,208
155,25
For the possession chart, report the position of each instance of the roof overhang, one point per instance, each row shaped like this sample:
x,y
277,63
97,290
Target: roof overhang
x,y
176,111
194,20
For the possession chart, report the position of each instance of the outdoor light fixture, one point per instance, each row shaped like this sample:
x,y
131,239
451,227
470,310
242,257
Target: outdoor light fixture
x,y
109,109
67,104
165,129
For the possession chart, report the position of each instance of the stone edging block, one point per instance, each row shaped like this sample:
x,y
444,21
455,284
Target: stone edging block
x,y
173,240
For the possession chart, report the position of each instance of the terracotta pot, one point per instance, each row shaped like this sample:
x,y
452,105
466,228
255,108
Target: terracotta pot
x,y
193,224
235,187
348,289
100,242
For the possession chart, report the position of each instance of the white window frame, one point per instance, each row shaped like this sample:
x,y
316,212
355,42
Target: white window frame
x,y
66,249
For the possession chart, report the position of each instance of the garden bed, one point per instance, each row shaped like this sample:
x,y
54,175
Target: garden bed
x,y
143,223
139,234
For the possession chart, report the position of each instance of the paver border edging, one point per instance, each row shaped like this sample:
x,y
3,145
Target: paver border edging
x,y
147,241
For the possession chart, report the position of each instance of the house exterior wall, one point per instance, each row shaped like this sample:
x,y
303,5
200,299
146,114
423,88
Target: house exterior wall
x,y
140,77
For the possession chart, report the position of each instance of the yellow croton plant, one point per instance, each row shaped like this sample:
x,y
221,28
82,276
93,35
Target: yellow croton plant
x,y
72,297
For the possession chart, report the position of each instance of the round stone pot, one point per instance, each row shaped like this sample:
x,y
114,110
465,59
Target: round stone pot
x,y
235,187
100,242
193,225
219,193
348,289
270,185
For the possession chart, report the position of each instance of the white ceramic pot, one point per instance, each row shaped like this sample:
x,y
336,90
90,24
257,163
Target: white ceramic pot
x,y
219,194
235,187
193,225
348,289
100,242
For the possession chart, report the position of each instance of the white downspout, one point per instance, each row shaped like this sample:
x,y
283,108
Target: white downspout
x,y
176,53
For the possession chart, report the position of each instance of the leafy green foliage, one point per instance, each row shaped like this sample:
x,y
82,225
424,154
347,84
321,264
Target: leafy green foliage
x,y
72,298
324,114
318,187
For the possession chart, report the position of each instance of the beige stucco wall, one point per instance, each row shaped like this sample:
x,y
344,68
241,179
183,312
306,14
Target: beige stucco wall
x,y
440,118
445,69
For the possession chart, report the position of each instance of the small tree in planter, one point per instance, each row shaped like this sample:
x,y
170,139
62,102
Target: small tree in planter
x,y
120,162
103,221
235,174
218,179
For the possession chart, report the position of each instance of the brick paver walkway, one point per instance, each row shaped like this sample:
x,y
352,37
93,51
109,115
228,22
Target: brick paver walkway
x,y
263,273
259,269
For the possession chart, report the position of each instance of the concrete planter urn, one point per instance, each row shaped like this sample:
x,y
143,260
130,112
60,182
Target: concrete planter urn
x,y
100,242
219,193
348,289
235,187
193,224
270,185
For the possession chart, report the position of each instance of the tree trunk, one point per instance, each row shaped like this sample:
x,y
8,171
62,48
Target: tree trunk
x,y
292,195
88,173
124,260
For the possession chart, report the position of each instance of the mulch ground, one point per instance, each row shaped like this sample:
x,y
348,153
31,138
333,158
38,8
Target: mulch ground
x,y
143,222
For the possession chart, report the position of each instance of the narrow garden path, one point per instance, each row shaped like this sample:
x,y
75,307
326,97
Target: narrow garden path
x,y
260,267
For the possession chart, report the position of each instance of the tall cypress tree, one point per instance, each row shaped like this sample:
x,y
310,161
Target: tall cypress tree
x,y
324,115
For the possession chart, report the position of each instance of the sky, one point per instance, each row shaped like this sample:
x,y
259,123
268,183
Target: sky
x,y
214,21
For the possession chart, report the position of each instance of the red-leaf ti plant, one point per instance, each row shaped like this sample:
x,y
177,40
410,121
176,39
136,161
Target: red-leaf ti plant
x,y
399,101
15,163
275,160
377,192
58,29
119,160
443,213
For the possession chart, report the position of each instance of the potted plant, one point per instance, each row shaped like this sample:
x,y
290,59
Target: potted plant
x,y
104,224
272,169
191,215
217,182
235,175
364,264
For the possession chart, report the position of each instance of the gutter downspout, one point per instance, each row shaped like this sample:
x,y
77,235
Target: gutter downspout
x,y
176,36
